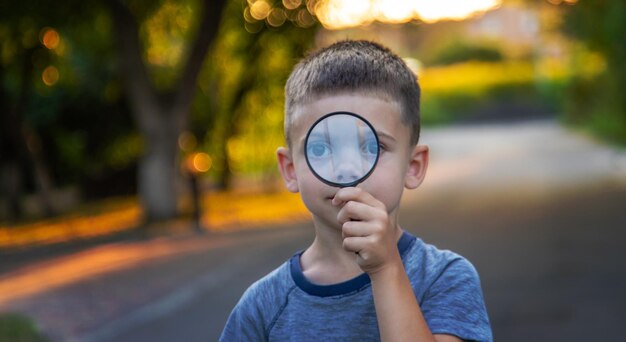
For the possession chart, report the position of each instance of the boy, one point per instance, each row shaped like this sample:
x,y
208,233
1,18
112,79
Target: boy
x,y
363,278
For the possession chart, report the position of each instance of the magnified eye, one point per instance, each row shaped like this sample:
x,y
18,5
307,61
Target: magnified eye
x,y
370,147
318,150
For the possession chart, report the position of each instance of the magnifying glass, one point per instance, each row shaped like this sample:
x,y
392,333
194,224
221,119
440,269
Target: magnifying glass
x,y
341,149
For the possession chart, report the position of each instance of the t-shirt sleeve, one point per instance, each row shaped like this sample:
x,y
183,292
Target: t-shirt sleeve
x,y
245,322
454,303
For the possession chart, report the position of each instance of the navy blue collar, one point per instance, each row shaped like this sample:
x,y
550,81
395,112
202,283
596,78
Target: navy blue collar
x,y
345,287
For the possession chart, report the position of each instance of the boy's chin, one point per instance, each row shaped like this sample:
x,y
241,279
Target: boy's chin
x,y
329,219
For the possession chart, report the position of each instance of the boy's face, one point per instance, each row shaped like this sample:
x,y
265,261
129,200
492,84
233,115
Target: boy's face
x,y
400,165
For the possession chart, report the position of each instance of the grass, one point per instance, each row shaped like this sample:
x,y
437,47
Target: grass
x,y
18,328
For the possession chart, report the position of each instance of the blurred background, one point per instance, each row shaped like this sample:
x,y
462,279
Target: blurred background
x,y
139,194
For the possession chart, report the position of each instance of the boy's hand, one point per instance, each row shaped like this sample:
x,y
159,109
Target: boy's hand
x,y
366,229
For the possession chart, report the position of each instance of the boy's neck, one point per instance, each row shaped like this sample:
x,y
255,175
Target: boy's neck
x,y
326,262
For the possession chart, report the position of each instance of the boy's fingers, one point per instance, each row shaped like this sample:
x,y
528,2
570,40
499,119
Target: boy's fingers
x,y
352,244
357,211
359,245
357,204
354,194
356,229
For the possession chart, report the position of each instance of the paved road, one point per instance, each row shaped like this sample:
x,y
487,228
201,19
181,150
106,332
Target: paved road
x,y
537,209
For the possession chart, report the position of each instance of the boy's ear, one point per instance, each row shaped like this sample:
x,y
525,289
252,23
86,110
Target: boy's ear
x,y
287,169
418,163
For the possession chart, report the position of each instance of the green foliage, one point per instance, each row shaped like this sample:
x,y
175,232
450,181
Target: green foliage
x,y
84,120
17,328
503,102
166,31
461,51
240,105
599,103
508,90
81,114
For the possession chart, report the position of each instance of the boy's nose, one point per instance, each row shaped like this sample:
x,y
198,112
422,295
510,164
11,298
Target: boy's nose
x,y
346,173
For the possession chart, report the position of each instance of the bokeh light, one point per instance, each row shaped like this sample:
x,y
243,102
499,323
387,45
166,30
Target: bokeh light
x,y
338,14
260,12
260,9
304,18
202,162
50,76
432,11
559,2
335,14
394,11
276,17
187,141
292,4
50,38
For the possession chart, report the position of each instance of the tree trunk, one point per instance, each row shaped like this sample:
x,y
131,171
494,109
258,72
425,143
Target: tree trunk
x,y
157,170
43,180
12,179
161,117
226,176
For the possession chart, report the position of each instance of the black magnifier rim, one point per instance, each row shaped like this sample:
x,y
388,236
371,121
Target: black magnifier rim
x,y
341,185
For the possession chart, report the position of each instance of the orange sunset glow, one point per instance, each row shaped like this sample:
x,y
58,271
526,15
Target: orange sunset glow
x,y
338,14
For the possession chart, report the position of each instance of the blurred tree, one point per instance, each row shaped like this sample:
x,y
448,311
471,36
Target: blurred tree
x,y
253,56
61,108
80,99
599,103
22,58
161,115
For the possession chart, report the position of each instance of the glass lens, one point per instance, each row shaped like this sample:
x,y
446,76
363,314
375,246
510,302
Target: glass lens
x,y
342,149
